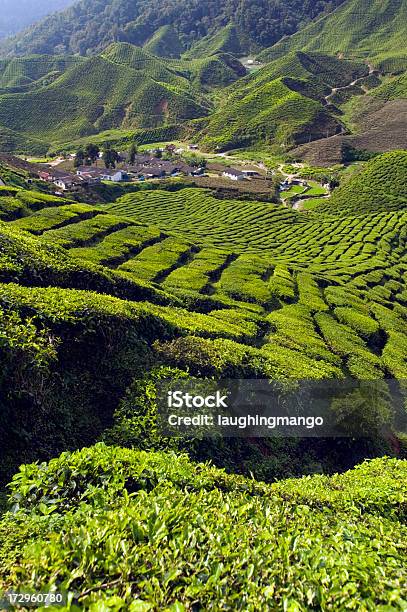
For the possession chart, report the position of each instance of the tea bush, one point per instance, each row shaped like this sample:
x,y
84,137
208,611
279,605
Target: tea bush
x,y
130,529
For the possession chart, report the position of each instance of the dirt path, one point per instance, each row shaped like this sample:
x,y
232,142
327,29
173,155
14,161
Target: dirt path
x,y
292,175
334,90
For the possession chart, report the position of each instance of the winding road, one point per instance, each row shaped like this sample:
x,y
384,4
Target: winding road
x,y
372,70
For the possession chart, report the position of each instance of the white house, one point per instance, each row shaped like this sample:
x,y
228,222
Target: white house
x,y
70,182
234,175
116,176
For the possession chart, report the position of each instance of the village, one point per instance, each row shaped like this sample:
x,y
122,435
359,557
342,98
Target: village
x,y
153,164
76,174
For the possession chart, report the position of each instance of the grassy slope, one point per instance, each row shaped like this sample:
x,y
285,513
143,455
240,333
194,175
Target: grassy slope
x,y
379,186
102,93
22,72
321,68
227,40
372,29
164,43
392,90
125,87
262,109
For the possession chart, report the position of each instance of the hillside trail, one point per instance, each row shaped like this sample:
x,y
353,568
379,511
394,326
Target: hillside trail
x,y
372,70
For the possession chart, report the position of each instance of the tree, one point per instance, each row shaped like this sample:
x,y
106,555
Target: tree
x,y
92,152
79,158
158,153
195,161
110,157
132,153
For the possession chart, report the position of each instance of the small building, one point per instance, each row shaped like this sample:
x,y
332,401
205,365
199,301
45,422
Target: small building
x,y
45,175
233,175
251,173
284,186
52,175
70,182
90,178
115,176
153,173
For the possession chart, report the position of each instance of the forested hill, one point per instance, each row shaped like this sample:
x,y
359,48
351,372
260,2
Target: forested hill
x,y
372,29
90,25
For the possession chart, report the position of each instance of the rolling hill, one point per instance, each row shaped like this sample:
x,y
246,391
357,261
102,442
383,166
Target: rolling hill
x,y
379,186
123,87
269,107
229,39
91,25
362,29
165,43
318,68
22,73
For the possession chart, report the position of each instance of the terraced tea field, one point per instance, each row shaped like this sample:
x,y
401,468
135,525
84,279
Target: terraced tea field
x,y
309,295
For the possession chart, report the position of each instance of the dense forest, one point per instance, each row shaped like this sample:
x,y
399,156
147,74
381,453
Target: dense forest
x,y
90,25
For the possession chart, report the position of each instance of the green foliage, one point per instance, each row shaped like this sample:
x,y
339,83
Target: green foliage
x,y
158,260
392,90
134,89
92,30
263,109
380,186
87,506
293,327
363,28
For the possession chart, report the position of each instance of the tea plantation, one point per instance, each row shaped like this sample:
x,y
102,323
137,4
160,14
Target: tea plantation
x,y
99,302
117,529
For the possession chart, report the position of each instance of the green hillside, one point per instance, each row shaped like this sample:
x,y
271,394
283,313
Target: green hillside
x,y
394,89
325,69
165,43
365,29
91,25
284,102
264,110
16,142
379,186
155,531
33,70
123,88
99,303
227,40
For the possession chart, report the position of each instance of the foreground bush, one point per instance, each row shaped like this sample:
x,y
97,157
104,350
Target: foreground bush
x,y
129,530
